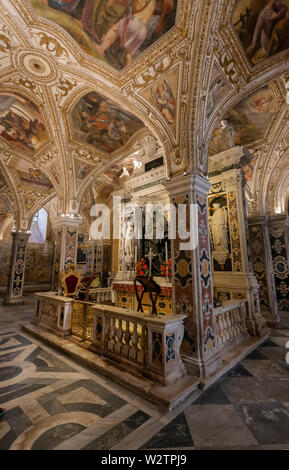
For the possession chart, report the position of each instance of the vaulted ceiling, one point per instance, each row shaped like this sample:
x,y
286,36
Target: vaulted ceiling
x,y
81,85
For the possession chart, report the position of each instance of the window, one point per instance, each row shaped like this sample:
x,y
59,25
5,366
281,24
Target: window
x,y
39,227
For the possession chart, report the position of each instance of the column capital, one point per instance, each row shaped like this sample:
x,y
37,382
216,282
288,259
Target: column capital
x,y
68,219
279,219
21,234
179,185
257,219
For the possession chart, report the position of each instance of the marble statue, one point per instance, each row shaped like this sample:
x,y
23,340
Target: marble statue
x,y
129,241
149,146
219,233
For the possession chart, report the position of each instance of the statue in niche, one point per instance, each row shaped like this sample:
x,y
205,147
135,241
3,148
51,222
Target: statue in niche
x,y
129,241
149,146
219,233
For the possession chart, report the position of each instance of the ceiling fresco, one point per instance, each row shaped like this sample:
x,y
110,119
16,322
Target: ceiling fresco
x,y
116,31
6,199
217,90
181,80
262,26
99,122
21,123
162,94
31,175
82,169
246,123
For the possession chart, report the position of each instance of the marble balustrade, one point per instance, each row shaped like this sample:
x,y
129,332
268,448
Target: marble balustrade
x,y
146,344
53,312
230,324
103,295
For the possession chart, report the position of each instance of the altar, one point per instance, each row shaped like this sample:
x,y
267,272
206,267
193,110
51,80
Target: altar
x,y
125,296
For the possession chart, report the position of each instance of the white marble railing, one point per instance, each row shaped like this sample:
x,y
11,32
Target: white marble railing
x,y
230,326
102,295
142,343
53,312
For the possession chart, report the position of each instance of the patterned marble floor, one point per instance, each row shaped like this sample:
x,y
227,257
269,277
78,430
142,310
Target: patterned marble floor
x,y
54,403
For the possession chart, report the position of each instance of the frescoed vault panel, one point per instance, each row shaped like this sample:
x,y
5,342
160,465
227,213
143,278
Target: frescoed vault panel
x,y
217,90
82,169
262,27
116,31
21,123
163,95
99,122
247,122
31,175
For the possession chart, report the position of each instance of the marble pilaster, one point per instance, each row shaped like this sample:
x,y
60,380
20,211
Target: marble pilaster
x,y
279,242
226,177
192,278
262,264
16,275
66,239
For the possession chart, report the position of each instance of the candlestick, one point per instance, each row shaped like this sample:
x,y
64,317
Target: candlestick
x,y
167,270
135,257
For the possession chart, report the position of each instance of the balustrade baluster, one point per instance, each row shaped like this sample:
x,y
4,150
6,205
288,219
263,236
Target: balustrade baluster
x,y
111,342
119,335
234,326
224,332
219,330
229,325
134,341
127,335
237,321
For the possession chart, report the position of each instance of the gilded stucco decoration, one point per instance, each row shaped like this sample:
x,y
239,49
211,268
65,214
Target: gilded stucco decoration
x,y
179,84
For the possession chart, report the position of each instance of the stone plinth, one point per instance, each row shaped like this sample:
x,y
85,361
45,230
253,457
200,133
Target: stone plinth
x,y
53,312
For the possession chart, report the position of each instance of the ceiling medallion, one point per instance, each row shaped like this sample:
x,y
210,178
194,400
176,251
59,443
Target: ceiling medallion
x,y
35,64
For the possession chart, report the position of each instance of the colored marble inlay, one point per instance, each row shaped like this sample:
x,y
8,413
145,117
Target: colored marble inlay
x,y
170,348
234,232
281,267
205,274
259,263
19,267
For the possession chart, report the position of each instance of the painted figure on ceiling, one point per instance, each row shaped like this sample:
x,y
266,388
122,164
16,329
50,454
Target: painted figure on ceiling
x,y
262,26
114,29
99,122
131,30
273,12
165,101
20,123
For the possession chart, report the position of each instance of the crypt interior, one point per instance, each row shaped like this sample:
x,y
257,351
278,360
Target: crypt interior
x,y
126,342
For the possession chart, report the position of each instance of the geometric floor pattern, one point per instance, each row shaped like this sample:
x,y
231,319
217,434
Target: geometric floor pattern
x,y
54,403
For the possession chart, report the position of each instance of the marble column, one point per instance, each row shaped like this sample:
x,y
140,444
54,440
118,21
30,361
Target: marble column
x,y
17,268
235,278
279,243
192,278
66,238
262,264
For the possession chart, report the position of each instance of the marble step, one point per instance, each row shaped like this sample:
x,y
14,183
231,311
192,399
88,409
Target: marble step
x,y
167,396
